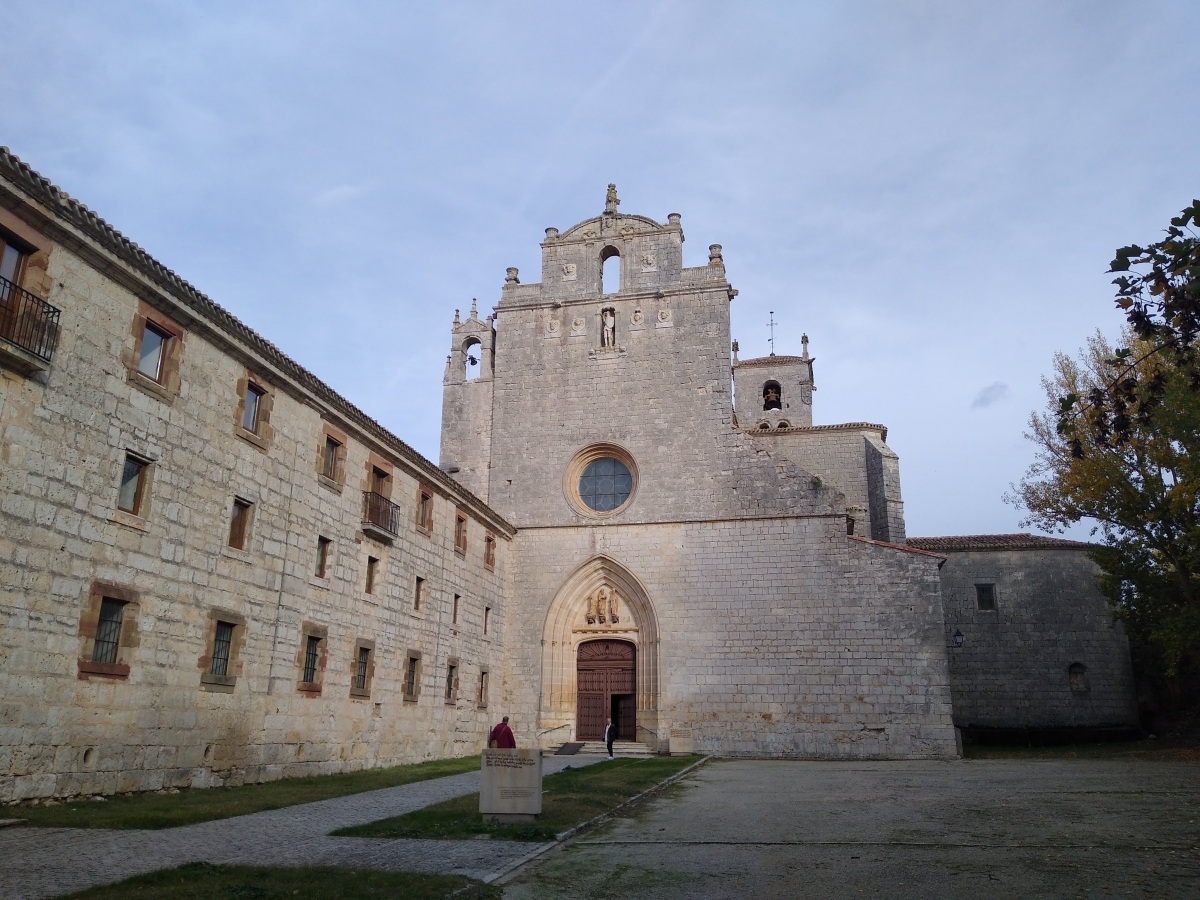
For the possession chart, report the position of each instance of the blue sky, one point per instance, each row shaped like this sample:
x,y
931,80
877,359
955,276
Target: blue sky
x,y
931,191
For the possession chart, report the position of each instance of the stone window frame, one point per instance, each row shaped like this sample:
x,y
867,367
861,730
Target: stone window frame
x,y
424,493
129,637
263,434
419,583
222,684
487,614
166,387
977,583
136,518
489,551
481,695
580,461
1077,678
324,557
461,518
454,609
363,693
338,481
385,484
373,575
321,632
415,694
453,678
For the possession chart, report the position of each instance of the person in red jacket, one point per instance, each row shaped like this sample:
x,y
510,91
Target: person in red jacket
x,y
502,737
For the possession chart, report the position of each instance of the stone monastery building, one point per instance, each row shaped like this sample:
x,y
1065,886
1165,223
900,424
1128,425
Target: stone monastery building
x,y
215,569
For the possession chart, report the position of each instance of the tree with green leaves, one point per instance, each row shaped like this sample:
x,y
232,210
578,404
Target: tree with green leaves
x,y
1119,444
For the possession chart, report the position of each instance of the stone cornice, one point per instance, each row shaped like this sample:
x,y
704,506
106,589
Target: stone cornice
x,y
37,201
806,429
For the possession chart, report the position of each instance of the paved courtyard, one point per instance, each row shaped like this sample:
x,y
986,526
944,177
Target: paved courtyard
x,y
975,829
46,862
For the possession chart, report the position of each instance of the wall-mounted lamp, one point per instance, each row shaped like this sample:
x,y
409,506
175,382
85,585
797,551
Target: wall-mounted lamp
x,y
958,638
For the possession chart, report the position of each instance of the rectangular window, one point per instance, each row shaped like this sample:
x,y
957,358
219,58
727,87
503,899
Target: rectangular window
x,y
221,644
329,466
451,683
379,482
460,533
483,687
360,675
322,555
238,522
12,264
108,631
425,510
372,567
312,656
133,481
418,592
985,597
154,352
410,678
489,553
254,395
487,614
454,612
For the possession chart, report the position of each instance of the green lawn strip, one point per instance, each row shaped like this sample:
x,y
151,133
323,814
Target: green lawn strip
x,y
203,805
202,881
571,797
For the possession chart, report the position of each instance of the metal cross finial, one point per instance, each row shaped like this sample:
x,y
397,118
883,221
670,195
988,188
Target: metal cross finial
x,y
772,325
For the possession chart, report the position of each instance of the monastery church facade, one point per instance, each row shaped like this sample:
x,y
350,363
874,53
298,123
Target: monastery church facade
x,y
214,569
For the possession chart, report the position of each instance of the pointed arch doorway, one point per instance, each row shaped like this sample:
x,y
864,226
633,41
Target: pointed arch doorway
x,y
606,680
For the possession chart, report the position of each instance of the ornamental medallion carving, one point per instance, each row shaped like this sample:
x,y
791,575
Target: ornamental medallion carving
x,y
553,328
569,272
579,326
664,317
649,262
637,317
806,394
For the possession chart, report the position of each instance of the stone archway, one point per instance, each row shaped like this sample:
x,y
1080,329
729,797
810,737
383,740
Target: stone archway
x,y
601,600
606,687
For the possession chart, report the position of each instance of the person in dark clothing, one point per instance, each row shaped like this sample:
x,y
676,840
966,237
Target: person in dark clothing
x,y
610,735
502,737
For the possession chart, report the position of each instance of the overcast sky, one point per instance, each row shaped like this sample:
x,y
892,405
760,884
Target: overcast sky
x,y
931,191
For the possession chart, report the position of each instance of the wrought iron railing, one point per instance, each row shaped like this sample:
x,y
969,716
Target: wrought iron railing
x,y
380,511
27,321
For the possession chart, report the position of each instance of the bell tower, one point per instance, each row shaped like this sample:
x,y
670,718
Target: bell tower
x,y
467,402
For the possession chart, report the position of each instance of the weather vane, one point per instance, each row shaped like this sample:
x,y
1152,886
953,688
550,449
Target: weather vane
x,y
771,324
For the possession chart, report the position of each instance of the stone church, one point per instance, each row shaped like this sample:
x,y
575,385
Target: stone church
x,y
214,569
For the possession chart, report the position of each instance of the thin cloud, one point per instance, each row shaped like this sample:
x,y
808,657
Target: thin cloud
x,y
993,393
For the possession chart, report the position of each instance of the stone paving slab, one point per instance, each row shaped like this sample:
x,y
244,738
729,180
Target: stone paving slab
x,y
38,863
926,829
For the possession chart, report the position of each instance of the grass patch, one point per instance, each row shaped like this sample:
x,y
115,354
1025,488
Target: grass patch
x,y
202,881
203,805
571,797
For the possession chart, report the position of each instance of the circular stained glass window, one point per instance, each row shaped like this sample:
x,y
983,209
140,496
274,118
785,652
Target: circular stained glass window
x,y
605,484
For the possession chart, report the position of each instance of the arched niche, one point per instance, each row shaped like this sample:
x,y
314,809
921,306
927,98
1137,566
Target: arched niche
x,y
610,270
567,626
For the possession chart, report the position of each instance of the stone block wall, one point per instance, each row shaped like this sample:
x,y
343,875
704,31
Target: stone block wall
x,y
68,726
1013,667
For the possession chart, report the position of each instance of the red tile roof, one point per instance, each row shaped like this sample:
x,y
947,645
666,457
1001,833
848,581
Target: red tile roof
x,y
1023,541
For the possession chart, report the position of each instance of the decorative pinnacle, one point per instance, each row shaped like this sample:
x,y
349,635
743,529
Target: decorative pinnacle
x,y
804,344
474,311
456,320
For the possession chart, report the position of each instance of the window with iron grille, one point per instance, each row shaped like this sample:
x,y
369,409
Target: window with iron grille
x,y
985,597
312,656
451,683
12,262
364,660
108,631
410,678
221,645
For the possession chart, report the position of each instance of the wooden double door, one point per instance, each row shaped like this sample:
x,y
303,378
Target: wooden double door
x,y
606,675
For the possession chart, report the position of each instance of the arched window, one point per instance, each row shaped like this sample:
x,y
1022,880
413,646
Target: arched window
x,y
783,424
1077,673
772,395
472,355
610,272
764,426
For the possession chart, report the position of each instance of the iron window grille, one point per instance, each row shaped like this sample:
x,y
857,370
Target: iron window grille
x,y
108,631
28,321
410,678
364,659
380,511
221,644
312,654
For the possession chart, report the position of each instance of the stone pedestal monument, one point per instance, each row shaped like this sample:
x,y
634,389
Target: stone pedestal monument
x,y
510,788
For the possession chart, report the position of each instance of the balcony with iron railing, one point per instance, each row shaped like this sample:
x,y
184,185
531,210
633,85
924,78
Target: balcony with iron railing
x,y
381,517
28,329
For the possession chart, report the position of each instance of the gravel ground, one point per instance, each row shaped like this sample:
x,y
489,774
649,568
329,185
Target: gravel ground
x,y
977,829
46,862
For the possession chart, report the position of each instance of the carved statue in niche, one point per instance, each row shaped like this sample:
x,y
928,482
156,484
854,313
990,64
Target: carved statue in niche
x,y
601,605
613,616
608,331
591,608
